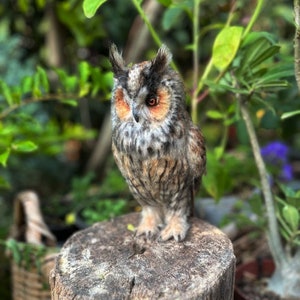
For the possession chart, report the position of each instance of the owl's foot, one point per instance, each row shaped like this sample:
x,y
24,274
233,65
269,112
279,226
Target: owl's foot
x,y
150,223
177,228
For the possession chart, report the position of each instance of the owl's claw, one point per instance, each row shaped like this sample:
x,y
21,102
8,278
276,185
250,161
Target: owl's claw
x,y
149,234
177,228
150,223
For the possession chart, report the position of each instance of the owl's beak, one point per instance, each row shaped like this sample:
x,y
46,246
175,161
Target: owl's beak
x,y
135,114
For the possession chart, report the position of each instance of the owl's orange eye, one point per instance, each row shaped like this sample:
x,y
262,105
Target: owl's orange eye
x,y
152,101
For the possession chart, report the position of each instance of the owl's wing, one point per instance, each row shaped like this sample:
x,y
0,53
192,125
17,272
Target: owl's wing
x,y
196,154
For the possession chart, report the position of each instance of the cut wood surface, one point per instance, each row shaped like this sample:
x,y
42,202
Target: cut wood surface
x,y
106,261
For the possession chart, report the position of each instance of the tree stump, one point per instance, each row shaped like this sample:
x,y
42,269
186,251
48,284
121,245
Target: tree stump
x,y
106,261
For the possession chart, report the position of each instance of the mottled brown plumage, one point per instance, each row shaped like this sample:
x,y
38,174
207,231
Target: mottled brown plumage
x,y
157,148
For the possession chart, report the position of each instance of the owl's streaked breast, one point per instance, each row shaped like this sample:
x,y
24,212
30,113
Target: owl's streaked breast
x,y
146,141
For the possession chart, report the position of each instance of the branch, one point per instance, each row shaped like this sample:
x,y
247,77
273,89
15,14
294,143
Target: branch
x,y
273,235
297,41
48,97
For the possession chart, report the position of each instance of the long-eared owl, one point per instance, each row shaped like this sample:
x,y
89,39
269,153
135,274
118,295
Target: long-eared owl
x,y
157,148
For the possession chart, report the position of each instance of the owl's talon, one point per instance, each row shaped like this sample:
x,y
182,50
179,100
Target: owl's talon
x,y
177,228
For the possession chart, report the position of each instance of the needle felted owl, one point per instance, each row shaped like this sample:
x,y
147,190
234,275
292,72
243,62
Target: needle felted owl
x,y
157,148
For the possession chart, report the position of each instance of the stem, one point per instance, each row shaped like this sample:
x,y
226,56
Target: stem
x,y
255,15
273,235
147,22
27,101
152,31
297,41
195,59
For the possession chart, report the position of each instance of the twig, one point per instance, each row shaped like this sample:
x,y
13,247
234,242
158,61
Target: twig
x,y
48,97
297,41
273,235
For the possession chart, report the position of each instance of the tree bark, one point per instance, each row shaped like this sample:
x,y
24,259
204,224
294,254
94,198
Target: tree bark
x,y
106,261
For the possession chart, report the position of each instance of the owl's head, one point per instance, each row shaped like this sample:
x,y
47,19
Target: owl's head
x,y
146,92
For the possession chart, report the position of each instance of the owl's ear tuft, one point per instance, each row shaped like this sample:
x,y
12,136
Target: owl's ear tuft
x,y
116,60
162,59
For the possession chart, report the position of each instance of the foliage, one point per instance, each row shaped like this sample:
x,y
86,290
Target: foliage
x,y
19,107
288,214
223,173
91,203
104,209
25,254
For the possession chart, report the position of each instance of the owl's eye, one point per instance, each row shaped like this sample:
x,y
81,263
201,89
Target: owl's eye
x,y
152,100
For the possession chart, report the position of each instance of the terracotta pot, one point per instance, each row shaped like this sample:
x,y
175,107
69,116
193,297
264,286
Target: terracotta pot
x,y
259,268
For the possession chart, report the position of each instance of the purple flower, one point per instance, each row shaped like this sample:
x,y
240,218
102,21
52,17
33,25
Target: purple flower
x,y
275,152
275,155
286,172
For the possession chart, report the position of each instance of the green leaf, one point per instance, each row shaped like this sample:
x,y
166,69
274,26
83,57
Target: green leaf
x,y
6,92
254,36
250,52
268,53
27,84
215,114
12,246
291,216
43,79
290,114
90,7
84,71
70,102
225,46
84,89
36,86
24,146
4,157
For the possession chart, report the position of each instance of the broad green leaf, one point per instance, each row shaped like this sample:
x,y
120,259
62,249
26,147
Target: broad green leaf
x,y
290,114
24,146
4,157
6,92
43,79
27,84
90,7
70,102
71,83
68,83
215,114
291,216
84,71
84,89
36,86
225,46
62,76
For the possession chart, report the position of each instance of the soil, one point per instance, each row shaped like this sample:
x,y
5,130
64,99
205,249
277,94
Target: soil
x,y
254,289
249,247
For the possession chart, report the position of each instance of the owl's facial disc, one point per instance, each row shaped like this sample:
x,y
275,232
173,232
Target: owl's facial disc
x,y
150,106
